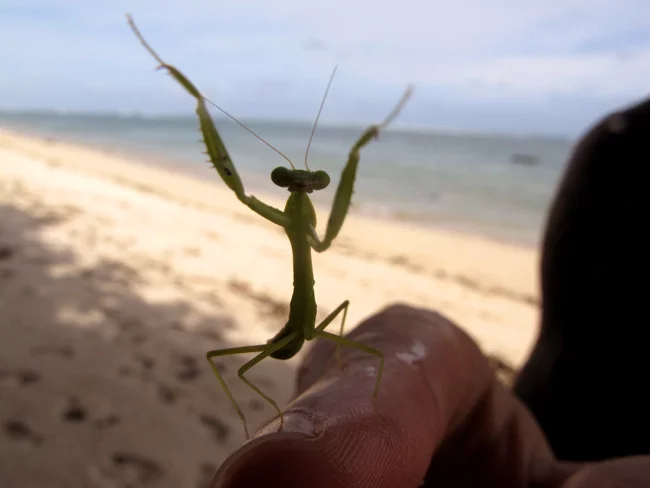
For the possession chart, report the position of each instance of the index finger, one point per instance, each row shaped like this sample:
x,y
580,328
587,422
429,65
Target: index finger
x,y
434,374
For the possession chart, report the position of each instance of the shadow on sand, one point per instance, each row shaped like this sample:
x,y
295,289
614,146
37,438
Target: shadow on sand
x,y
100,386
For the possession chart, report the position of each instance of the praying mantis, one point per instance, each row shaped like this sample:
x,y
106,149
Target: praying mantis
x,y
298,219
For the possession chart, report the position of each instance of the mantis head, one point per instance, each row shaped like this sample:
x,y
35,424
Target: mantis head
x,y
300,179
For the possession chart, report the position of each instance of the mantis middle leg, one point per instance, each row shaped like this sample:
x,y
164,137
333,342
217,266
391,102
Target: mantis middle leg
x,y
343,341
328,320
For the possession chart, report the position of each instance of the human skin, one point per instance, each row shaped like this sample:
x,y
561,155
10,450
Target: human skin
x,y
445,420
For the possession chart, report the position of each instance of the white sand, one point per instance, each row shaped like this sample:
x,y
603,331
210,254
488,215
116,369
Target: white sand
x,y
116,278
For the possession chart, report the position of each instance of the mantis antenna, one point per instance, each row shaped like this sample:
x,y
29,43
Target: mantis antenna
x,y
320,109
241,124
163,65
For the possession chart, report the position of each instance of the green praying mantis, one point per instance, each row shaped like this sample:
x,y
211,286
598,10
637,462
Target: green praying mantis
x,y
299,222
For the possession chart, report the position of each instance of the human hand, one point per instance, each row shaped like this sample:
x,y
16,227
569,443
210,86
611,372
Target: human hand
x,y
444,420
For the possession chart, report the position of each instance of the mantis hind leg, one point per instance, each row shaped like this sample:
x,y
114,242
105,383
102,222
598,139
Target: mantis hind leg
x,y
270,349
229,352
265,350
343,341
328,320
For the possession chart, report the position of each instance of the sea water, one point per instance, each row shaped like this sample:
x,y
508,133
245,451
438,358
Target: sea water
x,y
499,186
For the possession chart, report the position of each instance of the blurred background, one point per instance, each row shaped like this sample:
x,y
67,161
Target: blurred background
x,y
501,90
123,257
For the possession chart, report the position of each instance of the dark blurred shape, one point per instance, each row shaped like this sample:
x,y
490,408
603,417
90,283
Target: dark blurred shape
x,y
587,379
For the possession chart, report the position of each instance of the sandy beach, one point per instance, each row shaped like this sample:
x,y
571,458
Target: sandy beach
x,y
116,277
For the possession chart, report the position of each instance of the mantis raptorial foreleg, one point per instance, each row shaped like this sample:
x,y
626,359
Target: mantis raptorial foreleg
x,y
343,194
265,351
328,320
216,150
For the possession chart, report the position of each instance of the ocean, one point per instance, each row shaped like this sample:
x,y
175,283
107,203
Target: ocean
x,y
498,186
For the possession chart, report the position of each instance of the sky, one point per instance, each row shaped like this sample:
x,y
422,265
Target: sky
x,y
551,67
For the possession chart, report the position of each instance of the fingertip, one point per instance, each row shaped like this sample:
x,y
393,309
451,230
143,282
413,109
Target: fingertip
x,y
346,452
269,460
332,436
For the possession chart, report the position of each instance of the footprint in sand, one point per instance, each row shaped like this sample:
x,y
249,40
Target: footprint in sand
x,y
6,252
188,368
147,362
220,431
206,473
74,412
168,394
19,430
142,370
134,470
25,377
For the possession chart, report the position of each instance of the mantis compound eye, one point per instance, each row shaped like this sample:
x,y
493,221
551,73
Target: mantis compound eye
x,y
281,176
320,180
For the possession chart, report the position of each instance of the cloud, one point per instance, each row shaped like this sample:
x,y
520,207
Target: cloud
x,y
274,58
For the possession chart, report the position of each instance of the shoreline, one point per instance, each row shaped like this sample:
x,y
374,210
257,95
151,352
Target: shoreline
x,y
370,210
465,259
144,169
116,277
